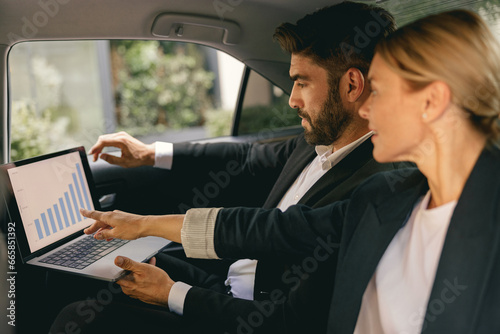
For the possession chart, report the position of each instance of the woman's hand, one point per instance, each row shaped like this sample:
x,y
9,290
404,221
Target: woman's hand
x,y
116,224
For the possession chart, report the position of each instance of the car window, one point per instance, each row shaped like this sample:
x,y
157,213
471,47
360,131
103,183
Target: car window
x,y
265,108
68,93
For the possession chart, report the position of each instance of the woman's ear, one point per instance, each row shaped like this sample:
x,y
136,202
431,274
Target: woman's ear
x,y
354,84
437,99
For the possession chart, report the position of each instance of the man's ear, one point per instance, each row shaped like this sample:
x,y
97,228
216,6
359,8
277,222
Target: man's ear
x,y
353,84
437,98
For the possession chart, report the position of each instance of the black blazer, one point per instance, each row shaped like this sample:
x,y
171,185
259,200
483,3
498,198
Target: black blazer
x,y
338,183
465,297
465,294
277,165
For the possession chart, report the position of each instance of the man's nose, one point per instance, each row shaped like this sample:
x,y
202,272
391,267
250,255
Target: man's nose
x,y
295,100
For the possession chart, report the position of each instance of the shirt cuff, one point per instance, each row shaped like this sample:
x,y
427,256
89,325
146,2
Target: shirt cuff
x,y
164,155
177,296
197,233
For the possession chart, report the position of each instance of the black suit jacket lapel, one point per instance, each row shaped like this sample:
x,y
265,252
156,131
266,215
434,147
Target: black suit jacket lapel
x,y
469,253
302,155
338,173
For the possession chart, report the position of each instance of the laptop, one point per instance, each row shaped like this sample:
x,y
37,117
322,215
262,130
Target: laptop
x,y
43,199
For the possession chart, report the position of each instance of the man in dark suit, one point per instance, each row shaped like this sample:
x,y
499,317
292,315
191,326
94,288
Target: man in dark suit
x,y
328,67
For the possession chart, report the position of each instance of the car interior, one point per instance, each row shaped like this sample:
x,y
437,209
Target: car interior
x,y
161,70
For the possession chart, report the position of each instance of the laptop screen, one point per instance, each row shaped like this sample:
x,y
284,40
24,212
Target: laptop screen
x,y
49,191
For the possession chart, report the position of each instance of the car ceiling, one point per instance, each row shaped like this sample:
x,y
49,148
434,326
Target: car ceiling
x,y
22,20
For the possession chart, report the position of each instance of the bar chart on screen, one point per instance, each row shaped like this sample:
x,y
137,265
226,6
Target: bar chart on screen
x,y
49,195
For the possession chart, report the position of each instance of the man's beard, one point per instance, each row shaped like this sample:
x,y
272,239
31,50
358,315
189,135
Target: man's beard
x,y
330,123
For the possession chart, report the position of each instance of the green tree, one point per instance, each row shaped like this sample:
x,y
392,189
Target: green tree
x,y
159,86
35,133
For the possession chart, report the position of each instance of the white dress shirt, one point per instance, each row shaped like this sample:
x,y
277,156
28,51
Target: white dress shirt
x,y
241,274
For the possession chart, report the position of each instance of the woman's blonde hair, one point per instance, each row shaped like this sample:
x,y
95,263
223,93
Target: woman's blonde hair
x,y
455,47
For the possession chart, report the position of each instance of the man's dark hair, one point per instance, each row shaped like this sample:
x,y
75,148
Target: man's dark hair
x,y
338,37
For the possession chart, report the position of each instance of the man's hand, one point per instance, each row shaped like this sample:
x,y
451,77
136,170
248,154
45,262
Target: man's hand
x,y
145,282
134,152
116,224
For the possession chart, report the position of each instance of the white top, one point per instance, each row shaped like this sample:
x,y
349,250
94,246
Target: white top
x,y
241,274
396,298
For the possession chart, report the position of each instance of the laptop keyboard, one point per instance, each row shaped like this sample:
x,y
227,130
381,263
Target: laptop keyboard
x,y
83,253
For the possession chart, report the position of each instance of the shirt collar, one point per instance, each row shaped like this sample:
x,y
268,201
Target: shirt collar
x,y
328,159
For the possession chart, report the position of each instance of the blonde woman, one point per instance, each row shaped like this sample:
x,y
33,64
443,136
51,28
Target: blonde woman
x,y
435,101
419,250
